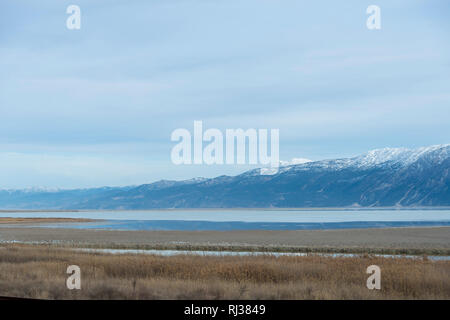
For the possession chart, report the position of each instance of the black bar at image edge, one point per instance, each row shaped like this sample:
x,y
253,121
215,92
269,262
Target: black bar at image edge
x,y
224,309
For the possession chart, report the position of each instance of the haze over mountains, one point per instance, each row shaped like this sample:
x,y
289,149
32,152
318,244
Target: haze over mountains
x,y
382,177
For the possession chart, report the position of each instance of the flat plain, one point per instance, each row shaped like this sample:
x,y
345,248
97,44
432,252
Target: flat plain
x,y
432,240
39,271
34,259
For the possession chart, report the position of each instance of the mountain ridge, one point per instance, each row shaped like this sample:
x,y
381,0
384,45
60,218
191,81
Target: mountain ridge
x,y
381,177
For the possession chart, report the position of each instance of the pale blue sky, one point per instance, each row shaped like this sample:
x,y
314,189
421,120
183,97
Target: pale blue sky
x,y
97,106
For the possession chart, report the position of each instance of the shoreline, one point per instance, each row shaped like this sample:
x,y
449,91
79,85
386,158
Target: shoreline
x,y
37,220
415,241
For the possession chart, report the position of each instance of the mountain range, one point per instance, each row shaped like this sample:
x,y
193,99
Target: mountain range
x,y
380,178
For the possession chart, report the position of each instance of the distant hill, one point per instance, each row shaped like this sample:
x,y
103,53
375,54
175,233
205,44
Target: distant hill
x,y
382,177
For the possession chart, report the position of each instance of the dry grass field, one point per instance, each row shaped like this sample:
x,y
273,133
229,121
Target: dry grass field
x,y
40,272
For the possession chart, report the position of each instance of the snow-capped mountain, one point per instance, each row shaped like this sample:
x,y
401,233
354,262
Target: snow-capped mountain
x,y
401,156
294,161
383,157
382,177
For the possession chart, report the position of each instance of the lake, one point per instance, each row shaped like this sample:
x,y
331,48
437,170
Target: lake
x,y
251,219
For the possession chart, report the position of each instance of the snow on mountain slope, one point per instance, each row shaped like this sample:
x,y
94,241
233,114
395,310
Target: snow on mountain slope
x,y
401,156
378,157
382,177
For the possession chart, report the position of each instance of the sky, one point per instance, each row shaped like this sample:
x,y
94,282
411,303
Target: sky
x,y
97,106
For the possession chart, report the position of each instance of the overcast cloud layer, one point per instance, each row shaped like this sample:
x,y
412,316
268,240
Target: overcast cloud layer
x,y
97,106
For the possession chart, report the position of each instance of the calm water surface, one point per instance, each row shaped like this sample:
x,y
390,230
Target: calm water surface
x,y
245,219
